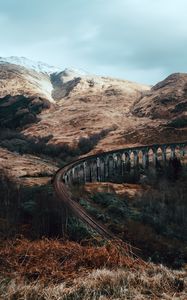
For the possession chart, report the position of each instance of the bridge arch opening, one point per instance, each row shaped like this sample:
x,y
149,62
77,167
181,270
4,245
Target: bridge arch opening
x,y
140,157
132,158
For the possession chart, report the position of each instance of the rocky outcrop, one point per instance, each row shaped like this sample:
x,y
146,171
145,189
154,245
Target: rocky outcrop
x,y
62,88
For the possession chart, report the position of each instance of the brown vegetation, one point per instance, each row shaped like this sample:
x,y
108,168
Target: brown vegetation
x,y
53,261
53,269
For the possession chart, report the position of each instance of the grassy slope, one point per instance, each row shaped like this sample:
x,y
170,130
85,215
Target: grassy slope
x,y
50,269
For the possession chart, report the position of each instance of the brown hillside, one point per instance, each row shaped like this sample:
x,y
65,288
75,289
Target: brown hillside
x,y
70,105
166,100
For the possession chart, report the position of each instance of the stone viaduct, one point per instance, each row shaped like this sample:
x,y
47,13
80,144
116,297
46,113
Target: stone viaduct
x,y
108,166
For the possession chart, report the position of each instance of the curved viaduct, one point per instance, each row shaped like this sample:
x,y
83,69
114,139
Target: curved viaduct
x,y
107,166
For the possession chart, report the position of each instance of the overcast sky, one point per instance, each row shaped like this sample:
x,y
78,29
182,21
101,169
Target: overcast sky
x,y
140,40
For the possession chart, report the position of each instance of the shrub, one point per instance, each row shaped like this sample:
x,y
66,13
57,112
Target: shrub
x,y
103,199
115,210
76,230
87,144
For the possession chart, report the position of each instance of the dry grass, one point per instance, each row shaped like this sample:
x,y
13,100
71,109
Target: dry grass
x,y
56,270
154,282
52,261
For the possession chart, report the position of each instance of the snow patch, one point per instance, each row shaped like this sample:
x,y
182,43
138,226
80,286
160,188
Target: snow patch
x,y
47,88
37,66
43,85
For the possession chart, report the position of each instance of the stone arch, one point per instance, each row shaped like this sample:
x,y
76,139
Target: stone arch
x,y
111,165
159,152
118,163
183,154
127,161
177,151
132,157
94,170
163,149
98,169
123,156
123,160
76,174
114,155
81,173
102,169
64,178
136,159
150,156
145,158
140,157
70,176
88,171
168,152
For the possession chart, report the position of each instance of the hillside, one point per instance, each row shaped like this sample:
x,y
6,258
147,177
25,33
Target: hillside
x,y
80,104
72,104
62,107
49,117
166,101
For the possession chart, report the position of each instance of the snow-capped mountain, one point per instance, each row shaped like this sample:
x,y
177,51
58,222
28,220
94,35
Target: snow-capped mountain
x,y
42,67
70,104
37,66
21,75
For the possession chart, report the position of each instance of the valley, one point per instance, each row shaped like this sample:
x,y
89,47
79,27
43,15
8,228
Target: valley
x,y
50,117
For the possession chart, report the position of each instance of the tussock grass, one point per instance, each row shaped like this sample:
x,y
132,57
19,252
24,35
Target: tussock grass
x,y
154,282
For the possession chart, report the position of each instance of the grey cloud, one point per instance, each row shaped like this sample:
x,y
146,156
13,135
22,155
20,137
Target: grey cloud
x,y
146,38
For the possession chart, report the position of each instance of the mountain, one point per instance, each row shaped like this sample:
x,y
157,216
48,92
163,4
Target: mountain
x,y
49,117
69,108
165,100
17,80
69,104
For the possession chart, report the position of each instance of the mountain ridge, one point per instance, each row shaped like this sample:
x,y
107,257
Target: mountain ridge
x,y
78,105
30,64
